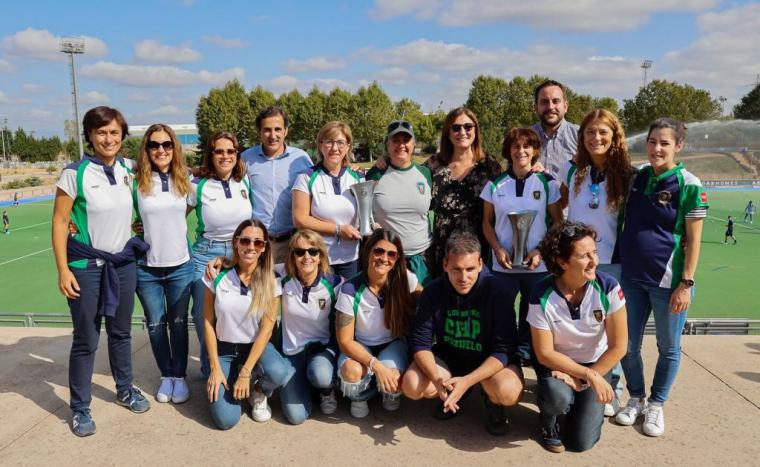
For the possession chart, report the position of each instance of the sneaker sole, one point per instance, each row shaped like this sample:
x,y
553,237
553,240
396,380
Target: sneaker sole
x,y
163,399
180,401
118,402
553,448
84,435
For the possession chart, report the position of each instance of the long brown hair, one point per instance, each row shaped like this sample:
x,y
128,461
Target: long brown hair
x,y
399,305
177,166
617,163
447,147
207,166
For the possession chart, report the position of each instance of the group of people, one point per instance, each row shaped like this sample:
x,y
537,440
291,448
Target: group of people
x,y
287,295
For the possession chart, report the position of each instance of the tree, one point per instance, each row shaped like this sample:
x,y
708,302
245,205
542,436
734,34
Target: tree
x,y
662,98
293,103
339,105
749,107
130,148
487,99
373,110
313,116
225,109
258,99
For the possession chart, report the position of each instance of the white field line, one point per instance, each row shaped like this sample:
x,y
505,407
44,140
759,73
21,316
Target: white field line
x,y
25,256
30,226
736,224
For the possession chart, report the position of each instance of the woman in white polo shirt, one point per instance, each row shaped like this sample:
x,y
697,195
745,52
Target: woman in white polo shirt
x,y
322,201
578,323
240,310
307,326
594,188
519,188
160,191
221,196
375,313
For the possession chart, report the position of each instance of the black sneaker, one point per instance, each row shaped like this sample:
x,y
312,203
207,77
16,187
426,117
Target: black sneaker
x,y
497,423
133,400
82,423
551,440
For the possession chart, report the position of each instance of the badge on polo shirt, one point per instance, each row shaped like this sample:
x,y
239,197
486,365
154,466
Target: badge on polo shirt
x,y
663,197
126,180
322,303
244,193
421,187
599,316
537,194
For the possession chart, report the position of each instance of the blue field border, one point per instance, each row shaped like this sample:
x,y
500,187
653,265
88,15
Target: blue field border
x,y
5,204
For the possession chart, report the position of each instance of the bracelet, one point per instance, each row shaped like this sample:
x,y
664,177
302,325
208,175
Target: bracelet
x,y
337,232
369,365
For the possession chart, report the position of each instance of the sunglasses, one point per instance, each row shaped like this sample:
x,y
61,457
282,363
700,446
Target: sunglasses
x,y
380,252
468,127
595,190
399,123
258,243
154,145
221,152
313,252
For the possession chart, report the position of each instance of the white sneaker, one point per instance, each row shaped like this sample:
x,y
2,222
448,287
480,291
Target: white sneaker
x,y
165,390
261,411
632,410
654,420
391,402
359,409
611,408
328,404
181,392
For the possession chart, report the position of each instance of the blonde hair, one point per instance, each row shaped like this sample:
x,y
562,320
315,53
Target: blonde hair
x,y
314,239
177,167
330,130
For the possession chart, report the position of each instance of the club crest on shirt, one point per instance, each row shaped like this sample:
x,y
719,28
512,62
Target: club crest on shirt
x,y
244,193
537,194
126,180
599,316
322,303
421,187
663,197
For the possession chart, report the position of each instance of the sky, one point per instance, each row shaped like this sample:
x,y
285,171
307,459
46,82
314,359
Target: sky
x,y
154,59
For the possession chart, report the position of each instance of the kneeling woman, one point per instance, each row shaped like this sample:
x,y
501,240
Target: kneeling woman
x,y
578,325
375,313
308,340
240,310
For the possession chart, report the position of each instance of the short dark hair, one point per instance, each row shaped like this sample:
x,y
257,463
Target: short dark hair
x,y
513,135
546,84
462,243
102,116
558,243
678,127
272,111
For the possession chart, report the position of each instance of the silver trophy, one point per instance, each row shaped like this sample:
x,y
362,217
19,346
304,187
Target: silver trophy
x,y
364,192
521,222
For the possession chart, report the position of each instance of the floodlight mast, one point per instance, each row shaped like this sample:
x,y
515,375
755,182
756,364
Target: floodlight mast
x,y
645,66
71,46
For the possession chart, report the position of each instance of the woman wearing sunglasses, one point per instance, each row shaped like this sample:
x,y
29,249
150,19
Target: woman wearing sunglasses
x,y
460,171
578,322
221,197
322,201
519,189
161,192
308,338
375,311
240,310
594,188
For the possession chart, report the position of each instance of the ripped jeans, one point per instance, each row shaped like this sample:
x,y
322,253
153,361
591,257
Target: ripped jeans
x,y
393,355
165,297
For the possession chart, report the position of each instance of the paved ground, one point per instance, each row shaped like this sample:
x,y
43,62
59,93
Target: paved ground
x,y
713,418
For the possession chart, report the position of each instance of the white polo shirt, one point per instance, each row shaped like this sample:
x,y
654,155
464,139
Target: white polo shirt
x,y
608,225
307,312
232,300
220,206
356,299
508,194
162,213
102,209
578,333
332,200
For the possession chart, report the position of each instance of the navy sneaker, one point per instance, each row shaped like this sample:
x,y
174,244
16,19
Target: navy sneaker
x,y
82,423
497,423
550,438
133,400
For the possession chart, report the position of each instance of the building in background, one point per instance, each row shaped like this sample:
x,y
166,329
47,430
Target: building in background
x,y
186,132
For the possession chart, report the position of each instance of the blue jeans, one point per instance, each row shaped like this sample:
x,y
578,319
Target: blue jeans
x,y
346,270
617,371
271,372
393,355
584,416
641,300
522,283
316,369
165,297
204,251
86,322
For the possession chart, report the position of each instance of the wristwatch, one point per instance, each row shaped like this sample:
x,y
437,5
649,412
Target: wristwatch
x,y
688,282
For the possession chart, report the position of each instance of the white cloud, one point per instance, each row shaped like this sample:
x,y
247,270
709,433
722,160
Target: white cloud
x,y
164,111
33,88
286,83
39,114
43,45
584,16
151,50
314,64
7,67
393,75
93,98
602,58
4,99
225,42
435,55
139,96
145,76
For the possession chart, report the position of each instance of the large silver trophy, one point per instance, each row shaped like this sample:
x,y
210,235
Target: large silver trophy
x,y
521,222
364,192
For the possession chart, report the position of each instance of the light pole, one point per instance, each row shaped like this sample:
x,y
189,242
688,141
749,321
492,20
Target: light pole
x,y
71,46
722,103
645,66
2,136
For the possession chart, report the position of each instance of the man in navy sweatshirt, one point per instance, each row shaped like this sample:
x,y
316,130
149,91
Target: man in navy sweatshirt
x,y
462,335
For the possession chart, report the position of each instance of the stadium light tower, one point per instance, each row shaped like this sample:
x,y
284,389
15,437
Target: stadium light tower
x,y
71,46
645,66
722,104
